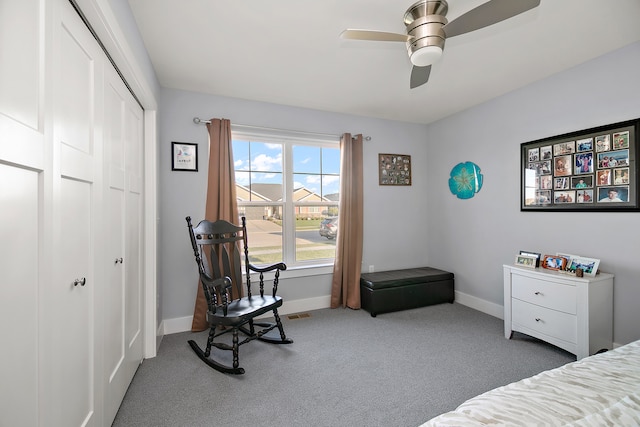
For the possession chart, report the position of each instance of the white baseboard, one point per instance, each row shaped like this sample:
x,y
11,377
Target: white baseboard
x,y
177,324
490,308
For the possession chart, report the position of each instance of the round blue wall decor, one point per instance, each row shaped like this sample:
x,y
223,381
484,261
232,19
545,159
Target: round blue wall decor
x,y
466,180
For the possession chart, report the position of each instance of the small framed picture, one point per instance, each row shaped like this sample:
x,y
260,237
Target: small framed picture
x,y
184,156
528,261
603,143
582,181
567,257
621,176
584,196
564,196
613,159
585,144
620,140
589,266
534,254
562,166
583,163
554,262
613,194
603,177
563,148
561,183
543,197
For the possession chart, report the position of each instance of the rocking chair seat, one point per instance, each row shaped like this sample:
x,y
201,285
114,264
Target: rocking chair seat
x,y
244,309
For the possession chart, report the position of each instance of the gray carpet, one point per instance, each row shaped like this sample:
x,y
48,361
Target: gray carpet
x,y
344,368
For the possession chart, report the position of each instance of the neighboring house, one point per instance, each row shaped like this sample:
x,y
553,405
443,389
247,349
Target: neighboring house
x,y
273,192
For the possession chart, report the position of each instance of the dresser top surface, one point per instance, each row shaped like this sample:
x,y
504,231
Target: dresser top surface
x,y
553,274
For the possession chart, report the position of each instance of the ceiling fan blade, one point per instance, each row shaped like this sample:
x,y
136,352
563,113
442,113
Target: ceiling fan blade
x,y
373,35
419,76
486,14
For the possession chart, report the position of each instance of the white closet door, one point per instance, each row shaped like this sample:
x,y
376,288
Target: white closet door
x,y
72,294
123,295
23,205
134,295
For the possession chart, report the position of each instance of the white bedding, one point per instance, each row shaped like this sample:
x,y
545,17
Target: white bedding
x,y
601,390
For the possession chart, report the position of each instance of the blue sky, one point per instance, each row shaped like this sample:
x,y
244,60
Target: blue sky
x,y
309,163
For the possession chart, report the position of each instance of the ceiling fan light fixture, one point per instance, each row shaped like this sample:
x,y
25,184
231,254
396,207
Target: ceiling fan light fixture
x,y
427,55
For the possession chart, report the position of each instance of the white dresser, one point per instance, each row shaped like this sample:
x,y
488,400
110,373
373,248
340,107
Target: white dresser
x,y
573,313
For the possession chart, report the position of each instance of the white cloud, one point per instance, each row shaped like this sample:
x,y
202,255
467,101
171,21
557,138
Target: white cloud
x,y
262,162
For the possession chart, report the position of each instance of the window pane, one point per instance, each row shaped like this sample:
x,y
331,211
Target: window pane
x,y
243,192
264,233
316,232
331,187
266,157
306,159
241,155
258,171
331,160
306,188
266,187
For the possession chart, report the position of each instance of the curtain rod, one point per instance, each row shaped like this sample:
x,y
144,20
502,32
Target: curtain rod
x,y
199,121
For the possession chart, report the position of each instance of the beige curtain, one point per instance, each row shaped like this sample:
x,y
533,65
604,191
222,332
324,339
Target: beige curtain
x,y
345,287
221,196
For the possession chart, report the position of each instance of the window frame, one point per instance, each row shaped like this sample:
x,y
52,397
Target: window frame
x,y
288,139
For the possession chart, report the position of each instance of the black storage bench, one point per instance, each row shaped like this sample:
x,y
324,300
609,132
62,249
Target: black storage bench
x,y
395,290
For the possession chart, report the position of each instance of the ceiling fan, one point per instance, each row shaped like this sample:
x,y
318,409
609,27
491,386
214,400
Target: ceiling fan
x,y
427,29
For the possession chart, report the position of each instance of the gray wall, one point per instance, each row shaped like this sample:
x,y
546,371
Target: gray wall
x,y
477,236
395,217
425,223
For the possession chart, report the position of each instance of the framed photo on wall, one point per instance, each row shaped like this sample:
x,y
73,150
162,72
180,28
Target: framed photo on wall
x,y
184,156
394,169
590,170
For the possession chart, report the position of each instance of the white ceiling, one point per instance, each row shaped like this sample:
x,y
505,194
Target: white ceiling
x,y
288,52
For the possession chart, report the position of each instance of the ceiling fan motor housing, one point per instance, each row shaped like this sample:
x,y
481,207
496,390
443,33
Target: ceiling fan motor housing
x,y
424,21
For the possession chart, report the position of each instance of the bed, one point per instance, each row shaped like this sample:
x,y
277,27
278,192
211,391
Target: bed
x,y
600,390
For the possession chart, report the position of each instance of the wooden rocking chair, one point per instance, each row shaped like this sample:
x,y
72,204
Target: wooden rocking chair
x,y
216,248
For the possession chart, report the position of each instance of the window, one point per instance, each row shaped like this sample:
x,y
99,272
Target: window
x,y
288,189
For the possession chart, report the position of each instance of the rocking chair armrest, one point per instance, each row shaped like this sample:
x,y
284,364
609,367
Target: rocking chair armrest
x,y
278,266
221,284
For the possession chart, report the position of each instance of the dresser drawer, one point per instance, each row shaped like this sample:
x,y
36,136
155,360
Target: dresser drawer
x,y
545,321
552,295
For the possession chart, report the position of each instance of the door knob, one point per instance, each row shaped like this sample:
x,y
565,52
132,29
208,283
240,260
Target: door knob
x,y
80,282
118,260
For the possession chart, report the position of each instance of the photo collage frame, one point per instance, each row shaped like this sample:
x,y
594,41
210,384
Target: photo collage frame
x,y
594,169
394,169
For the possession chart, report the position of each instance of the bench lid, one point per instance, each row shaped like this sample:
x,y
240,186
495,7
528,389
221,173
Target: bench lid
x,y
409,276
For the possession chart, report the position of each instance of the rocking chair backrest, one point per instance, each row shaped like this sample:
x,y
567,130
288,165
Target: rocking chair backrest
x,y
217,247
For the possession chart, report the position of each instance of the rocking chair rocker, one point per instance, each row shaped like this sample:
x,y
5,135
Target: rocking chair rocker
x,y
217,252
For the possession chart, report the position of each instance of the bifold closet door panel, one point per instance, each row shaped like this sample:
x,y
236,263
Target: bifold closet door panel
x,y
72,353
23,183
123,294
